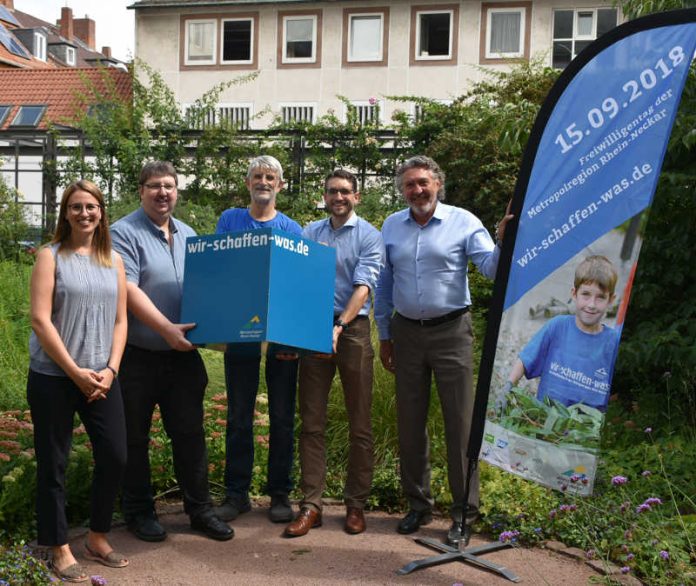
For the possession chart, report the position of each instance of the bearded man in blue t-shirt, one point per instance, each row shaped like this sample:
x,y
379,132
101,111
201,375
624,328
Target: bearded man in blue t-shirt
x,y
242,363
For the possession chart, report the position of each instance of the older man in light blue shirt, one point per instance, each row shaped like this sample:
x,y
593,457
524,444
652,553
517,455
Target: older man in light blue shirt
x,y
422,312
359,259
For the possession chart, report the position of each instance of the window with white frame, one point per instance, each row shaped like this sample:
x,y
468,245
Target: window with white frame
x,y
200,41
365,36
297,112
505,32
70,55
299,38
366,111
434,34
39,46
575,29
237,36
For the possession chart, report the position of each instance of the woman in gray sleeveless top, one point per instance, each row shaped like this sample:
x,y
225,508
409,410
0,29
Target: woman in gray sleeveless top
x,y
78,318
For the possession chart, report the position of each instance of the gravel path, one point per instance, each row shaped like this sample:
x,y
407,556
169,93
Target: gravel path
x,y
260,555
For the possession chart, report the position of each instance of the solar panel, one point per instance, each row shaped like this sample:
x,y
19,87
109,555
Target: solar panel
x,y
7,16
11,43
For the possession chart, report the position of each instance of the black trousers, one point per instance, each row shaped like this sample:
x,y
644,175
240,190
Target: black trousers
x,y
176,382
54,400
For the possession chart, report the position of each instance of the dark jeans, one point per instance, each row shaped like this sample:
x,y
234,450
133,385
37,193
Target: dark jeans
x,y
242,362
176,382
54,400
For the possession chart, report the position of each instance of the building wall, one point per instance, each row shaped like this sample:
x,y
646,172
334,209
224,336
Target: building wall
x,y
159,39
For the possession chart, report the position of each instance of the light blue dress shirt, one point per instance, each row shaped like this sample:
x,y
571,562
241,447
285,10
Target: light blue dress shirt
x,y
155,267
359,256
425,273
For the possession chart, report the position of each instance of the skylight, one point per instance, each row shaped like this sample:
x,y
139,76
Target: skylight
x,y
4,111
11,44
28,116
7,16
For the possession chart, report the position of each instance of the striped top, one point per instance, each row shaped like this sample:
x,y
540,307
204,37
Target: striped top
x,y
84,313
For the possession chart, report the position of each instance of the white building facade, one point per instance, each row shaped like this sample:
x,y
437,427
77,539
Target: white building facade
x,y
309,53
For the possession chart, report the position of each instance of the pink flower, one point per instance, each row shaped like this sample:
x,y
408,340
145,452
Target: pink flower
x,y
372,101
619,480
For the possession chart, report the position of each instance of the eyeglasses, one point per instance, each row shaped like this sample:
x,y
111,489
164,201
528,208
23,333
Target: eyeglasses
x,y
334,191
91,208
168,187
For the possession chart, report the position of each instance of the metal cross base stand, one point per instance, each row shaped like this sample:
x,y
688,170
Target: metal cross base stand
x,y
451,554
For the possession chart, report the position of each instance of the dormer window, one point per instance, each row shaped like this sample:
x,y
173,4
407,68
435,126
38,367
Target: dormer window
x,y
40,45
70,56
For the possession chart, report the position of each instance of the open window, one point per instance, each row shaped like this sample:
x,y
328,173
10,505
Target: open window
x,y
434,34
300,38
575,29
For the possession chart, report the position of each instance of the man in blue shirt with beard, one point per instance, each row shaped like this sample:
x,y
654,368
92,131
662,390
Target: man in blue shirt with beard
x,y
242,362
359,259
422,313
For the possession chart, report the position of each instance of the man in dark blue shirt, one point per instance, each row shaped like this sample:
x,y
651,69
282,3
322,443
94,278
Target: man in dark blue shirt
x,y
242,362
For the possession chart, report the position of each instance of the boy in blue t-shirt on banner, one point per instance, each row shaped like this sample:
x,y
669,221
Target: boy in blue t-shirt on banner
x,y
574,355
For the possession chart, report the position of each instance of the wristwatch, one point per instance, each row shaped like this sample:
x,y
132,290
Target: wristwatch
x,y
340,322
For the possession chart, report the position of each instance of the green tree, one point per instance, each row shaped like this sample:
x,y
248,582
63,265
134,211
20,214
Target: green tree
x,y
479,139
13,224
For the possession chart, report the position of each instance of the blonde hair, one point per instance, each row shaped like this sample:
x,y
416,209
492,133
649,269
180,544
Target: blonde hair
x,y
101,241
597,269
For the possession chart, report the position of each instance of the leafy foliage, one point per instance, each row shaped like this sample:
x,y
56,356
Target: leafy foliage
x,y
13,225
550,420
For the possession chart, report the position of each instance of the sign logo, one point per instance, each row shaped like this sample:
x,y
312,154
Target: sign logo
x,y
252,323
252,330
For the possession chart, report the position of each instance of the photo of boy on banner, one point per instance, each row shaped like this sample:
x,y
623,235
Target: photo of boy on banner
x,y
551,382
573,356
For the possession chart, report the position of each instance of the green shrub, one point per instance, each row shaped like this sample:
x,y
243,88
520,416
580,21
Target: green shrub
x,y
14,333
19,567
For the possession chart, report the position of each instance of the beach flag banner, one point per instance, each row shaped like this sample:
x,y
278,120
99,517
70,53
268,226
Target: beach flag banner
x,y
588,177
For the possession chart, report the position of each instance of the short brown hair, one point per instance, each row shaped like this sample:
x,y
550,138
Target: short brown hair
x,y
341,174
157,169
597,269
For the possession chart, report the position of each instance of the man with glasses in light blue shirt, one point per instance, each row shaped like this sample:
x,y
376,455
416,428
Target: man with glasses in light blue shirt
x,y
160,366
422,312
359,259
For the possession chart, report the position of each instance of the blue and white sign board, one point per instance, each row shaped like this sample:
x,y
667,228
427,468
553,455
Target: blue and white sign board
x,y
259,285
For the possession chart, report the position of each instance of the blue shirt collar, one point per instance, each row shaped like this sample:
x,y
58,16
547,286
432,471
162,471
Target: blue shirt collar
x,y
439,214
352,222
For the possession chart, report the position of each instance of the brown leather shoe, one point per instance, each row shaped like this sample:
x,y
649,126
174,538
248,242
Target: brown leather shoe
x,y
306,519
355,521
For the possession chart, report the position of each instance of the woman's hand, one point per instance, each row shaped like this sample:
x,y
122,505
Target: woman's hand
x,y
93,385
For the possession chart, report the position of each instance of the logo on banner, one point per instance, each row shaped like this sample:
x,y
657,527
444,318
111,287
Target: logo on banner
x,y
252,329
